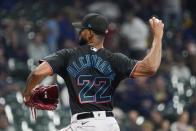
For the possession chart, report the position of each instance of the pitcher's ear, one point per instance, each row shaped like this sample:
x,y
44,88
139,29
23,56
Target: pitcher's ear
x,y
91,34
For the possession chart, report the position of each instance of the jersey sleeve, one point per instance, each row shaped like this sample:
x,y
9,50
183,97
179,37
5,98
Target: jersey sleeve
x,y
123,64
57,60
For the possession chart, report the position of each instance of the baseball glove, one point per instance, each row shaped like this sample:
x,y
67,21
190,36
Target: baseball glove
x,y
43,98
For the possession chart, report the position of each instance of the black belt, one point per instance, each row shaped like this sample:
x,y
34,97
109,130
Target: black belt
x,y
91,115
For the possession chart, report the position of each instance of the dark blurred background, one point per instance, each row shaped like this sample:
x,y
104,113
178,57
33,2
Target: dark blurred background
x,y
32,29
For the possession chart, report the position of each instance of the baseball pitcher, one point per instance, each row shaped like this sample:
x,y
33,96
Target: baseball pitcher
x,y
92,74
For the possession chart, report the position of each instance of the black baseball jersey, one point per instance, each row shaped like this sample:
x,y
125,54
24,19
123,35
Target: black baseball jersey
x,y
91,75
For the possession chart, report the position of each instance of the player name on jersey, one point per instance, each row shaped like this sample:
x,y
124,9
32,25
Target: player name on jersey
x,y
90,61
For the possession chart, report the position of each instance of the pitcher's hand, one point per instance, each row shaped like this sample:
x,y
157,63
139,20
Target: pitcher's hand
x,y
157,27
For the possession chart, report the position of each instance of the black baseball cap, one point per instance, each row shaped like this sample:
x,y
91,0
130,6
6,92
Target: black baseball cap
x,y
93,21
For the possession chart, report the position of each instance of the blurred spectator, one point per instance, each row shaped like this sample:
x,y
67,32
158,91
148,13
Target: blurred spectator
x,y
22,28
160,89
191,59
136,32
147,126
6,85
193,121
192,110
165,126
180,70
52,30
148,8
113,40
139,96
3,60
188,26
4,124
133,116
172,13
66,30
13,49
127,94
182,123
9,33
107,8
37,49
145,96
176,42
156,118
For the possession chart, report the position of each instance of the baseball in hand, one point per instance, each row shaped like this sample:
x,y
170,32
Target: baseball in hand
x,y
157,27
156,21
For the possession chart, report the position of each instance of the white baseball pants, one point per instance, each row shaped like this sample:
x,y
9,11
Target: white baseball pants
x,y
99,123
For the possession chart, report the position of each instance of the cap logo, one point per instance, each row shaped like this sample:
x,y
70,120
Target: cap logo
x,y
89,26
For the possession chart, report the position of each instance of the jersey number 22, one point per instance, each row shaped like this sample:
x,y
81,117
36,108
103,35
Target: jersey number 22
x,y
93,90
